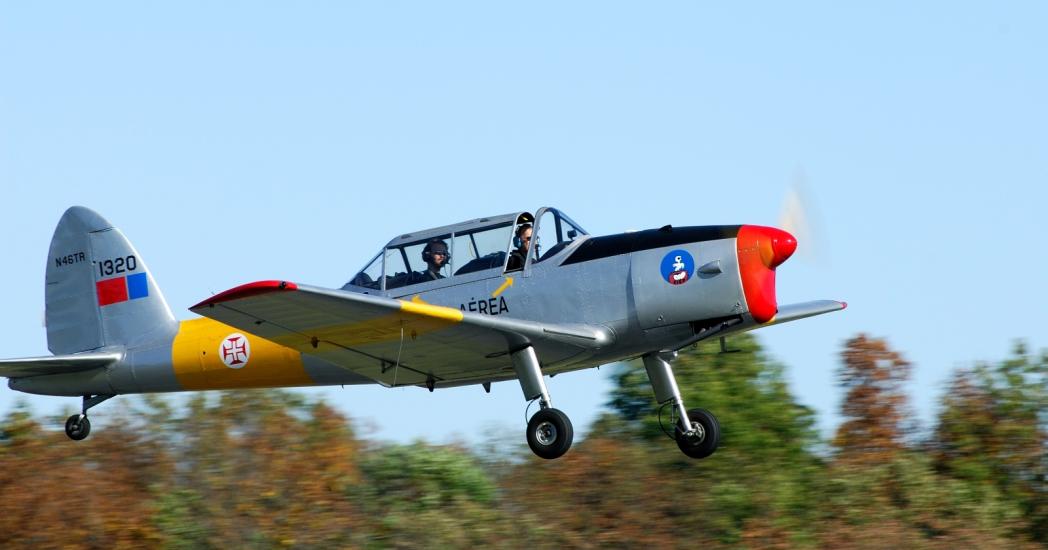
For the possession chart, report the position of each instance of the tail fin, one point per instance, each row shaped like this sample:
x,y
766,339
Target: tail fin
x,y
99,292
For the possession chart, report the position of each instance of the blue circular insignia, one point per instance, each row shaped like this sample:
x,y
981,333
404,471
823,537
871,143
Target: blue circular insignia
x,y
677,267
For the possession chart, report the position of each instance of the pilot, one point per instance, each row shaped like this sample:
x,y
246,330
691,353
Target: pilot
x,y
436,256
522,240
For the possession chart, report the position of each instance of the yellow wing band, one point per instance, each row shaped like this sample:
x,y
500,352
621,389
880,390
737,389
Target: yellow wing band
x,y
429,310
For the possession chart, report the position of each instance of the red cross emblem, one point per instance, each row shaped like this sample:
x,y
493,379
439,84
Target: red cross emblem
x,y
235,350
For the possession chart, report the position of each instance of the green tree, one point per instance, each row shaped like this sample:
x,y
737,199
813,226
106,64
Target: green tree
x,y
765,476
422,495
992,431
903,501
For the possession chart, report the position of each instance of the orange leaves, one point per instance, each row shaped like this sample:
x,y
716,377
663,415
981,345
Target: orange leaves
x,y
90,494
875,406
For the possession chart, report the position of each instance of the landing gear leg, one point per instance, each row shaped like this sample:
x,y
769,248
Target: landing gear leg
x,y
78,427
697,432
549,430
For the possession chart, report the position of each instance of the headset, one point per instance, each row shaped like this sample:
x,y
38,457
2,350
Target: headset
x,y
518,241
427,253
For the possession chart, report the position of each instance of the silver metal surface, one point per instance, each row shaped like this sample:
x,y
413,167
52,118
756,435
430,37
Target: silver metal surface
x,y
697,434
71,314
57,364
711,268
87,250
704,296
546,432
660,374
73,384
526,365
135,321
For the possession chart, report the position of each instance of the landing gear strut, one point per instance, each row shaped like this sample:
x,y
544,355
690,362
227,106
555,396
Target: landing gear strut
x,y
549,430
697,431
78,427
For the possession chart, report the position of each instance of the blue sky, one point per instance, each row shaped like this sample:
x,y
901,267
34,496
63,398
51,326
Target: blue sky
x,y
245,141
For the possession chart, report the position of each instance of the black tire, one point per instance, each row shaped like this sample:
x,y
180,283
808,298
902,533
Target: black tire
x,y
77,428
709,434
550,433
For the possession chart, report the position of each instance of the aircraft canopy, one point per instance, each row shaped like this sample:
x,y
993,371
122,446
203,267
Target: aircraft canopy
x,y
479,246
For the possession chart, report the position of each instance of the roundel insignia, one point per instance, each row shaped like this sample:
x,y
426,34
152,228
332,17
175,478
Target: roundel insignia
x,y
677,267
235,350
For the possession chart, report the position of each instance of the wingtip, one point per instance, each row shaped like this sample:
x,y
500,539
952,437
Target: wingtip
x,y
246,291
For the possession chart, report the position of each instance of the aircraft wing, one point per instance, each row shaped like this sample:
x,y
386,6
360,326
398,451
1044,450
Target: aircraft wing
x,y
55,364
784,314
793,312
395,342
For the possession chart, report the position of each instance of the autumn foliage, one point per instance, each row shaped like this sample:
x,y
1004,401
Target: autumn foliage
x,y
274,470
874,408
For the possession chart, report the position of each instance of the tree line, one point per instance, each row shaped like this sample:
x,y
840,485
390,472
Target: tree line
x,y
272,469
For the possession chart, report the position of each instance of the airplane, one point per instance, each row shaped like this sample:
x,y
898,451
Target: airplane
x,y
516,296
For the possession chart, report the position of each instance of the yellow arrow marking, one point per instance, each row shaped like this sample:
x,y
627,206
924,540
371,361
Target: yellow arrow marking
x,y
505,285
418,299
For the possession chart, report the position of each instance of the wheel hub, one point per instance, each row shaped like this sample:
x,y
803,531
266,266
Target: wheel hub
x,y
546,433
697,434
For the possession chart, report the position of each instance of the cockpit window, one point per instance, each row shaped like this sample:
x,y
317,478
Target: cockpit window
x,y
481,249
370,276
397,271
555,231
479,246
418,262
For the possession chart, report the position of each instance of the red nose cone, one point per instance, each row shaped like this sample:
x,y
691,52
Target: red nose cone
x,y
783,246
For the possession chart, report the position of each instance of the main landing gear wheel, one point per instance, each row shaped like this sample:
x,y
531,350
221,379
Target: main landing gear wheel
x,y
705,437
549,433
77,427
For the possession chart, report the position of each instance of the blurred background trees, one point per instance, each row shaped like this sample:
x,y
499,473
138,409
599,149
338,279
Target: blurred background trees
x,y
992,434
268,469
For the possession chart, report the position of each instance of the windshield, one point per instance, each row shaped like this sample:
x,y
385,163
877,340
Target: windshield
x,y
555,232
370,276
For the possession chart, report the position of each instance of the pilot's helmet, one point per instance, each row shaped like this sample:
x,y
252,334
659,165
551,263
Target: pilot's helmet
x,y
435,246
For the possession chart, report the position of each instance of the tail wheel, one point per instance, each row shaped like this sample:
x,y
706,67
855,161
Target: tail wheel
x,y
77,427
705,437
550,433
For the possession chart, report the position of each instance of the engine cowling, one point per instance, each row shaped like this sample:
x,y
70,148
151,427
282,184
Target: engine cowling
x,y
760,250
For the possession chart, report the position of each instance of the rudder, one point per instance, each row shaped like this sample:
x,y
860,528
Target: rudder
x,y
99,292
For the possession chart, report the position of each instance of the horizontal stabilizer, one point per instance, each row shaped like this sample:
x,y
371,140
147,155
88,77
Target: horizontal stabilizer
x,y
55,364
